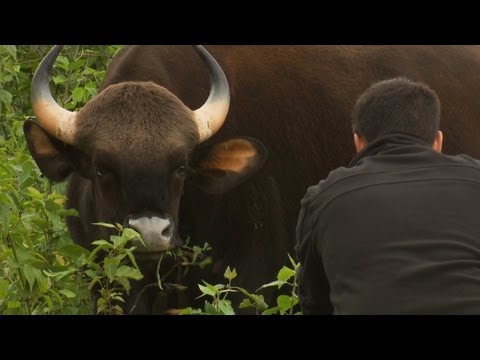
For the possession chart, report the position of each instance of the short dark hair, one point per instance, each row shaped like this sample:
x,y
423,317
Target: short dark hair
x,y
398,105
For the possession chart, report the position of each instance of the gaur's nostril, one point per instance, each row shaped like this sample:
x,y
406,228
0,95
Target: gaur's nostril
x,y
167,232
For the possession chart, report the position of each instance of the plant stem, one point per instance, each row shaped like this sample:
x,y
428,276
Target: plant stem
x,y
164,277
294,291
140,294
20,271
159,279
5,133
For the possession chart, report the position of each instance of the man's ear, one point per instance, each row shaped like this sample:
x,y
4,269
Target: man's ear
x,y
438,142
222,166
359,141
55,159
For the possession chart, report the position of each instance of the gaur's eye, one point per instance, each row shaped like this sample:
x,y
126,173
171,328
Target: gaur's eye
x,y
100,171
181,170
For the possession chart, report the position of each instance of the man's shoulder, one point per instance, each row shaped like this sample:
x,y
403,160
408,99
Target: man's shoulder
x,y
463,159
318,197
374,170
334,182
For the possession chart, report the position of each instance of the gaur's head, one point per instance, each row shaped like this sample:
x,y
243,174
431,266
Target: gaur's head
x,y
136,145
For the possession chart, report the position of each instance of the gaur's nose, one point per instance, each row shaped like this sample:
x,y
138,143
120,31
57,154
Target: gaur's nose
x,y
156,232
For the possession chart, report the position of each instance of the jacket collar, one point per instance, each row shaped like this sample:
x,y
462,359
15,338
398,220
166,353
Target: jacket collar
x,y
390,143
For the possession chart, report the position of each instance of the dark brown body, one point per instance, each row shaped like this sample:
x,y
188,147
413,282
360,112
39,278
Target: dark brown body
x,y
296,100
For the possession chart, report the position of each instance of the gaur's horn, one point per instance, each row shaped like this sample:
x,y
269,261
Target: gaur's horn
x,y
53,118
211,116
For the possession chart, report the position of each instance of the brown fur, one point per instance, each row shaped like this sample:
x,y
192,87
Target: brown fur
x,y
132,115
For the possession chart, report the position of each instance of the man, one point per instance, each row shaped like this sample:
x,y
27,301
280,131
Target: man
x,y
398,231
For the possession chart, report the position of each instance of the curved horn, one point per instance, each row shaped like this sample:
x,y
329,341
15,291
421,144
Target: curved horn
x,y
211,116
54,119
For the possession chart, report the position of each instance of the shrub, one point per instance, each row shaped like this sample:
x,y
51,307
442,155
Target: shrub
x,y
40,267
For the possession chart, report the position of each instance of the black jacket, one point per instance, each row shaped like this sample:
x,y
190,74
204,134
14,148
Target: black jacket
x,y
397,232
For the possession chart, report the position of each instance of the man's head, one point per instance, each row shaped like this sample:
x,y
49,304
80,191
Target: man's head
x,y
397,106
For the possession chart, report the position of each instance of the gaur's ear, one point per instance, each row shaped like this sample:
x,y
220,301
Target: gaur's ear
x,y
222,166
54,158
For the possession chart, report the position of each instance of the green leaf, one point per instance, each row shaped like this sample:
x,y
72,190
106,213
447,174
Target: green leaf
x,y
117,296
91,273
110,266
63,61
285,274
216,288
79,63
95,280
34,193
5,97
210,309
131,257
230,274
207,261
129,272
111,226
118,241
44,283
94,252
260,303
271,311
101,242
284,303
273,283
125,283
29,273
101,303
246,303
70,310
67,212
58,79
89,70
91,91
74,251
11,50
190,311
257,300
3,288
78,95
207,291
69,294
59,274
225,307
130,234
14,304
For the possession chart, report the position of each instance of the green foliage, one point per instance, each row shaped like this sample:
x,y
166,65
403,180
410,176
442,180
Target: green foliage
x,y
111,267
40,267
286,304
187,257
220,305
169,278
